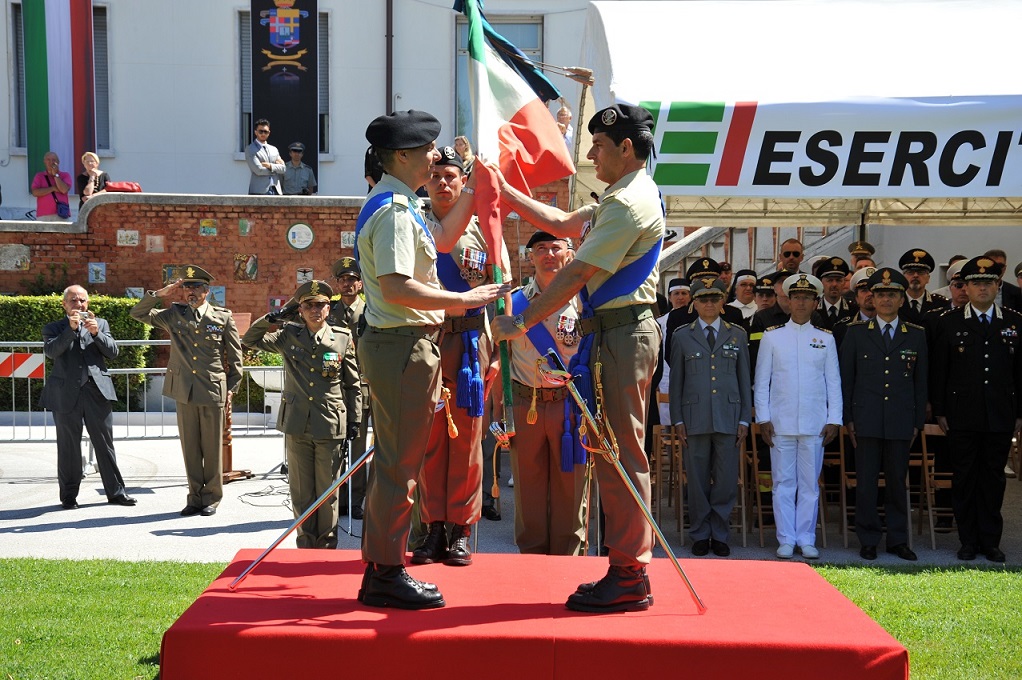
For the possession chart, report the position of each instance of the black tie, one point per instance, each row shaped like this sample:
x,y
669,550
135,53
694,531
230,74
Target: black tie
x,y
711,337
888,335
984,322
833,313
915,306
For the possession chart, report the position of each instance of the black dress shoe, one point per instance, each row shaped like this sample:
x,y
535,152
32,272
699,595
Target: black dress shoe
x,y
720,549
967,553
868,552
190,510
392,586
995,555
902,551
69,504
208,511
122,499
623,589
701,547
356,512
491,513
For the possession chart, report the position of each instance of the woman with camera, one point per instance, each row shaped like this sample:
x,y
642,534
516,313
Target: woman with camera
x,y
50,188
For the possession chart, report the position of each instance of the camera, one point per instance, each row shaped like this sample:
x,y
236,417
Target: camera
x,y
84,315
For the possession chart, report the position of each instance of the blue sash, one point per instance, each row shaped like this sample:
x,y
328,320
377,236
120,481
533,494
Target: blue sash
x,y
622,282
374,203
469,392
572,452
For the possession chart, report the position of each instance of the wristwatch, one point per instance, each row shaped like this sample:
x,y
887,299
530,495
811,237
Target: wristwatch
x,y
519,321
468,190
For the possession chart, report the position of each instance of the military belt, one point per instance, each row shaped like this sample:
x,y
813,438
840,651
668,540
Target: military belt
x,y
430,332
614,318
460,324
542,393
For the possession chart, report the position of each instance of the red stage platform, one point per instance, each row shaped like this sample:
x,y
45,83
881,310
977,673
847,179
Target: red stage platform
x,y
296,616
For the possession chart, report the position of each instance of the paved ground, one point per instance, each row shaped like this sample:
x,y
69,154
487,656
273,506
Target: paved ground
x,y
255,511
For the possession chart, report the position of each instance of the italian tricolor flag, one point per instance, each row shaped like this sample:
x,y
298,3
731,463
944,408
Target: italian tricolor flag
x,y
60,88
512,124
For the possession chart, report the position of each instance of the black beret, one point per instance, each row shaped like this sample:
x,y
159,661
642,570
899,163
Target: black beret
x,y
831,266
623,117
542,236
704,266
448,156
982,268
887,279
403,130
917,258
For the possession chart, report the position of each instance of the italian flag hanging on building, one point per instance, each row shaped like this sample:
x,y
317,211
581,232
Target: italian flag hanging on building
x,y
60,87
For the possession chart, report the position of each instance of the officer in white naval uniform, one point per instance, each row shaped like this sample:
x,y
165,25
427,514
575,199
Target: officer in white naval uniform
x,y
799,409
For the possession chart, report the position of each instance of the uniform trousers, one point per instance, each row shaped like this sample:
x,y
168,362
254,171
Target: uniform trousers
x,y
356,486
312,466
451,484
201,429
795,464
871,455
404,380
549,503
95,411
977,485
711,468
628,354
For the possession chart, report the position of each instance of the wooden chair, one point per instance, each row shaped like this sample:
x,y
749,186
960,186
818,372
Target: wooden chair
x,y
933,480
760,480
665,473
740,513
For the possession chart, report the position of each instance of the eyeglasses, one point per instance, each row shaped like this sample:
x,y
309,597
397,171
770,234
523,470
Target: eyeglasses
x,y
262,132
295,151
193,284
958,284
310,304
791,253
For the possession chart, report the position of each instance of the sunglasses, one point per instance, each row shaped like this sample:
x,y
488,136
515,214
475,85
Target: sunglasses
x,y
193,284
262,132
314,305
791,253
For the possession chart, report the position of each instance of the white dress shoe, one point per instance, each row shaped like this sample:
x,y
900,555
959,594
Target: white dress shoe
x,y
810,552
785,551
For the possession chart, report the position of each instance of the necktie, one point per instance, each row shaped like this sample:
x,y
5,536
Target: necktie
x,y
711,337
833,313
888,335
984,321
915,306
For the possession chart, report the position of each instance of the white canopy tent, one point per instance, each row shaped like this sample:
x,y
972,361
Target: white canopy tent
x,y
826,113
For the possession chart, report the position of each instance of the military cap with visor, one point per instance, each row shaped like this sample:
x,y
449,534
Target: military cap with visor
x,y
708,286
860,279
346,266
193,273
982,268
833,266
704,266
403,130
803,283
887,278
315,291
917,258
297,146
861,249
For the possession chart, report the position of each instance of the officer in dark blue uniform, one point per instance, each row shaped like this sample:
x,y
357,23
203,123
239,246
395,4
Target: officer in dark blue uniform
x,y
975,390
884,384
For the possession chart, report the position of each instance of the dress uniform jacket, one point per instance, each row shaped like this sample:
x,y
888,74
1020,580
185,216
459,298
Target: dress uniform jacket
x,y
321,383
885,389
976,376
789,392
195,371
823,318
926,303
683,316
710,388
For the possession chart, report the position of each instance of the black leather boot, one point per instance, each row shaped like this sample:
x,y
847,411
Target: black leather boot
x,y
459,554
434,548
623,589
392,586
588,587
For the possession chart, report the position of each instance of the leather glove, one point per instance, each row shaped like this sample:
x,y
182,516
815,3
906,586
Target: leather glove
x,y
352,431
287,313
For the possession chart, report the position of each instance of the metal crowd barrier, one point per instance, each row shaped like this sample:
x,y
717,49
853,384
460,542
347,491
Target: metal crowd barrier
x,y
153,418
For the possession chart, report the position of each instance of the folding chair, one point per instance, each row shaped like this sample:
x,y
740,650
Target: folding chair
x,y
934,480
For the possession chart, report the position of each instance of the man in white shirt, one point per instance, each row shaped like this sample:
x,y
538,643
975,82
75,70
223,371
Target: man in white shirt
x,y
799,410
264,162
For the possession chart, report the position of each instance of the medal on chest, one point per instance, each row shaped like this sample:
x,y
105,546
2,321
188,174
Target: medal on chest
x,y
472,263
567,330
331,364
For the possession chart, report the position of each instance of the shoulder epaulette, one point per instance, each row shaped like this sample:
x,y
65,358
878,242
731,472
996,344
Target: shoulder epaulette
x,y
339,327
401,199
857,322
774,328
937,296
914,325
825,330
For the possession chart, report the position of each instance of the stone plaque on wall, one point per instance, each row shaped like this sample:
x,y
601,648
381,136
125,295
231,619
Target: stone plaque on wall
x,y
15,257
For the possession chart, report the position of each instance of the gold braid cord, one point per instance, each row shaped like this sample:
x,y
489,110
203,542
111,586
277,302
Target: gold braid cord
x,y
452,429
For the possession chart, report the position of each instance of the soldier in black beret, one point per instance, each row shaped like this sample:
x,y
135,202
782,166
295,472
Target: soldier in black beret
x,y
399,348
976,383
917,264
884,369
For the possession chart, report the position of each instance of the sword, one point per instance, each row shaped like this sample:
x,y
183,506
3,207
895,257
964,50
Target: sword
x,y
610,452
305,515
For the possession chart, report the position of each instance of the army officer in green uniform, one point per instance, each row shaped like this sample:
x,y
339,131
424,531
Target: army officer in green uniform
x,y
204,369
321,404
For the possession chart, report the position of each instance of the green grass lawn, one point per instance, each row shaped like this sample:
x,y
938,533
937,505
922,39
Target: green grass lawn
x,y
104,619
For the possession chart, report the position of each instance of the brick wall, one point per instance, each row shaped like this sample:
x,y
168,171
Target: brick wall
x,y
177,220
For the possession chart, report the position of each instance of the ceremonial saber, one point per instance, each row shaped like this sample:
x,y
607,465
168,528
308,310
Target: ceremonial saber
x,y
305,515
615,459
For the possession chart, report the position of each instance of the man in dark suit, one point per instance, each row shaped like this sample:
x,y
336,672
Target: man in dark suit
x,y
711,407
917,265
833,272
975,391
883,379
203,370
79,389
1008,295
